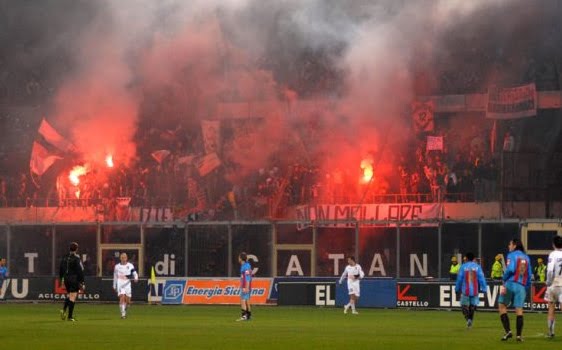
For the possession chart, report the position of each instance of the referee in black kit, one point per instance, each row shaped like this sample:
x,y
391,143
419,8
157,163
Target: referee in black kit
x,y
71,273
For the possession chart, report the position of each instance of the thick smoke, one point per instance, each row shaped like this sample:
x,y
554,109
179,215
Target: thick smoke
x,y
171,62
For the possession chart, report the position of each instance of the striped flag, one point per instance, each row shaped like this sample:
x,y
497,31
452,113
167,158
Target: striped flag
x,y
41,160
54,138
434,143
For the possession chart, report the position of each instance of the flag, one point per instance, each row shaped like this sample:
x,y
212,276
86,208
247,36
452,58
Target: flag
x,y
186,160
211,135
434,143
54,138
493,137
41,160
160,155
208,163
152,276
422,115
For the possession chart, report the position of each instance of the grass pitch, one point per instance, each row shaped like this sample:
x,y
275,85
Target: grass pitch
x,y
38,326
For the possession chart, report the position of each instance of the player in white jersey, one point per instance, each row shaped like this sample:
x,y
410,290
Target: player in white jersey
x,y
554,282
123,274
354,274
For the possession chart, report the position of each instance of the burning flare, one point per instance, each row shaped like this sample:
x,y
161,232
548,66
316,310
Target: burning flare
x,y
75,174
367,166
109,161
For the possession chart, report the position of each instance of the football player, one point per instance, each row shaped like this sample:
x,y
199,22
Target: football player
x,y
354,274
123,274
554,282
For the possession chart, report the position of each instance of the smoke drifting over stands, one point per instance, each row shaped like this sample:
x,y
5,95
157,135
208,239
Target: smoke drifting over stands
x,y
319,87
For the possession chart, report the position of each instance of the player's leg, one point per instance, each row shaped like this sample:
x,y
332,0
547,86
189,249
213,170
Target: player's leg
x,y
352,302
504,300
122,304
519,322
551,320
353,289
243,306
464,306
248,309
72,300
63,312
472,309
518,300
350,293
553,295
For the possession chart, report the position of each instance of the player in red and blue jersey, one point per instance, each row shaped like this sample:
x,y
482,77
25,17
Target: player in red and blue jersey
x,y
470,282
245,287
516,282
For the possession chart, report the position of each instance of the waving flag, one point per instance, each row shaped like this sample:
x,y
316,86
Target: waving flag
x,y
54,138
41,160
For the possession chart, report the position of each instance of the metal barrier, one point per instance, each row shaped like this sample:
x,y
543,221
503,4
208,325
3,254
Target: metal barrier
x,y
275,248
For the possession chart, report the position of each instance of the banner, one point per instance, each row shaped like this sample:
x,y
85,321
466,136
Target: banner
x,y
380,292
307,293
434,143
211,135
208,163
224,291
41,160
50,288
422,115
510,103
440,295
366,212
173,291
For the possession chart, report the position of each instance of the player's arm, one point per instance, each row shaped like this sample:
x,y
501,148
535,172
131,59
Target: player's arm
x,y
509,268
115,277
550,270
80,271
343,275
135,275
361,273
247,280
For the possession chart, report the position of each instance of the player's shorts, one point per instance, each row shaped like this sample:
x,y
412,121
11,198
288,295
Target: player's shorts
x,y
468,300
124,288
245,296
353,287
515,295
71,284
553,294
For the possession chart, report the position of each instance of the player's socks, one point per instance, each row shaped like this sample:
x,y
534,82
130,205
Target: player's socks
x,y
123,310
346,307
505,322
71,310
465,312
66,303
249,314
471,310
519,325
352,307
551,328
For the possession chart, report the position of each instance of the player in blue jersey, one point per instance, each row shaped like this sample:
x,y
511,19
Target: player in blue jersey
x,y
516,282
3,274
245,287
470,282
